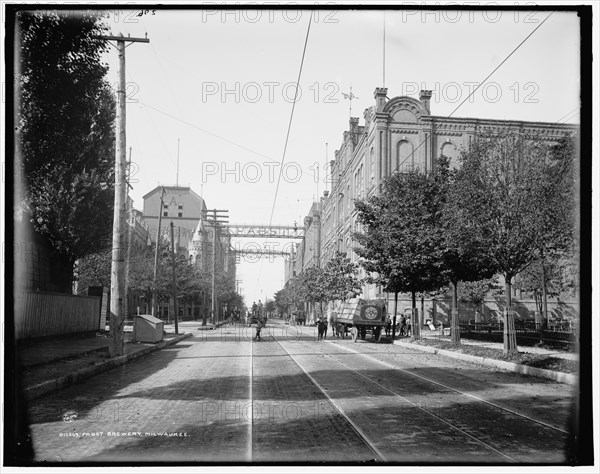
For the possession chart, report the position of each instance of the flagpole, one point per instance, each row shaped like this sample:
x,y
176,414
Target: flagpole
x,y
383,48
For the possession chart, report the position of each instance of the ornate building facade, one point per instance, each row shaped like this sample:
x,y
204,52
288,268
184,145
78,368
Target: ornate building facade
x,y
398,134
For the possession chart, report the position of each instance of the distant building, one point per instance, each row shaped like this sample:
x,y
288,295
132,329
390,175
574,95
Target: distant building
x,y
181,205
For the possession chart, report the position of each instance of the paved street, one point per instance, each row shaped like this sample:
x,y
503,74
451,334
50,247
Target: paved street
x,y
221,397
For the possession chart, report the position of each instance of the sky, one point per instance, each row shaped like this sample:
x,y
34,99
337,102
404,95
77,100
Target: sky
x,y
221,84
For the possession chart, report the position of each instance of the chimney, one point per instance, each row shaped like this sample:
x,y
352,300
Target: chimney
x,y
380,95
424,97
353,124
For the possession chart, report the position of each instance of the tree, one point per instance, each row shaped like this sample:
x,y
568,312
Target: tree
x,y
313,286
270,306
465,257
93,270
402,244
555,221
281,302
501,193
340,278
65,136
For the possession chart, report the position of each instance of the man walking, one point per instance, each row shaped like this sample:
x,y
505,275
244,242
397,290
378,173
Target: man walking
x,y
259,326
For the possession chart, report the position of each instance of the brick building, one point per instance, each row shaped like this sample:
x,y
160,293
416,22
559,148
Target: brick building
x,y
398,134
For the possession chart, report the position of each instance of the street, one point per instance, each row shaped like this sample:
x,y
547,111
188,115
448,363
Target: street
x,y
221,397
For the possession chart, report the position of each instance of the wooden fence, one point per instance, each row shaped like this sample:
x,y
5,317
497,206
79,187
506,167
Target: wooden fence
x,y
40,313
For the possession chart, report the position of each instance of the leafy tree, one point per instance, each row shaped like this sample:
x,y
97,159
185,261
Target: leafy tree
x,y
93,270
464,256
270,306
501,194
65,136
555,221
340,278
476,291
313,286
540,278
403,243
281,302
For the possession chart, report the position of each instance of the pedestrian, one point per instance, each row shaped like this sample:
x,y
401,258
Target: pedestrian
x,y
388,326
408,327
324,328
403,326
320,329
258,328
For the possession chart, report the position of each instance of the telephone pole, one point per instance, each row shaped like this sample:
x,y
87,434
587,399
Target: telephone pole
x,y
218,218
175,309
117,277
160,213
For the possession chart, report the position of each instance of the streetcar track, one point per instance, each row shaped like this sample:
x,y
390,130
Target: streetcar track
x,y
466,394
460,430
251,424
354,426
463,432
482,400
386,364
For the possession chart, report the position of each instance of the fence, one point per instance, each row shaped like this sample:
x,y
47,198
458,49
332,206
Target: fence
x,y
50,314
532,333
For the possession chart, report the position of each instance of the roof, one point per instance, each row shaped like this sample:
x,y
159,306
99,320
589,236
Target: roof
x,y
173,188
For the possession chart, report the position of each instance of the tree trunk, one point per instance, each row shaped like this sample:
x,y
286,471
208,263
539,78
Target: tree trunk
x,y
544,295
416,328
395,313
510,336
455,331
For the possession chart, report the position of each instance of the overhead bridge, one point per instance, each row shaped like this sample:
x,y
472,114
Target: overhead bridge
x,y
266,231
275,253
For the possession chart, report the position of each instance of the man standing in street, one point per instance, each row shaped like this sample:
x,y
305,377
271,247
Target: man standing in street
x,y
259,326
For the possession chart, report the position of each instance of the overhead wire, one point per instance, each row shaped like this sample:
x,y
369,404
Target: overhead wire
x,y
480,85
291,116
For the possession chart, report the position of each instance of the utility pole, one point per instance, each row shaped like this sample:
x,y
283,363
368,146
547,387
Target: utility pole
x,y
218,218
160,213
129,232
117,279
176,316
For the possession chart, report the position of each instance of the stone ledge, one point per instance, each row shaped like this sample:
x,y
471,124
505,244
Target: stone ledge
x,y
561,377
79,376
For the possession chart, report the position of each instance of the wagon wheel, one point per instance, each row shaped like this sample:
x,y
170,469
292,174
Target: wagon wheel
x,y
354,333
377,333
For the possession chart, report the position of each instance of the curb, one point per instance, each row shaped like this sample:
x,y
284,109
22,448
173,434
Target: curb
x,y
79,376
561,377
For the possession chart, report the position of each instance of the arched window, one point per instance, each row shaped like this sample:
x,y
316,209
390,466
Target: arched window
x,y
372,164
405,158
449,150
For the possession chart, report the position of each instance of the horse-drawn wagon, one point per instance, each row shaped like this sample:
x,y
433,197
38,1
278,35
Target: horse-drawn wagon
x,y
361,317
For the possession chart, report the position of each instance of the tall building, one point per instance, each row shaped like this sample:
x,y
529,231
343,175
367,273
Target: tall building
x,y
398,134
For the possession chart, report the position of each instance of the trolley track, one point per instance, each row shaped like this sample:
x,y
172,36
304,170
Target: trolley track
x,y
475,434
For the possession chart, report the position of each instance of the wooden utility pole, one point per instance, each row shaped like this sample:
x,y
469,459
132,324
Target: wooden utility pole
x,y
175,309
117,277
160,213
218,218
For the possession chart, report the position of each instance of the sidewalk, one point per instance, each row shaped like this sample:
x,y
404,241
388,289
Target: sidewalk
x,y
434,335
55,363
535,361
